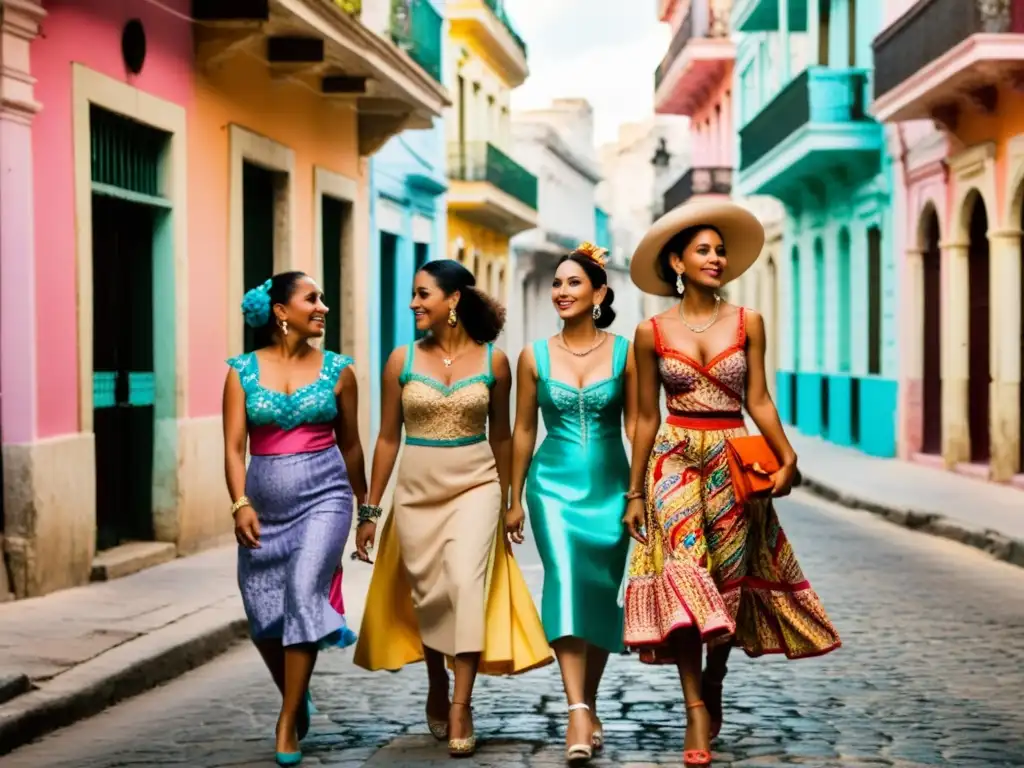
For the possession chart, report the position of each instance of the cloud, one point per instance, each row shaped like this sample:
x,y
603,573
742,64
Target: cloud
x,y
600,50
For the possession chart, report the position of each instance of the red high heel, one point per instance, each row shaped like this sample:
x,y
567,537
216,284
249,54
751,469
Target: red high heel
x,y
696,757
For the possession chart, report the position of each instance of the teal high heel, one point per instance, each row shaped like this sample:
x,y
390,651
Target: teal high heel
x,y
289,758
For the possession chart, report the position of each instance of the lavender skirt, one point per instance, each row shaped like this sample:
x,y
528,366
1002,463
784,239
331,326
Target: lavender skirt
x,y
304,504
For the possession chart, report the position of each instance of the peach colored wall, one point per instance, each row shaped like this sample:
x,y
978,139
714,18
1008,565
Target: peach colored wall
x,y
87,32
321,133
712,135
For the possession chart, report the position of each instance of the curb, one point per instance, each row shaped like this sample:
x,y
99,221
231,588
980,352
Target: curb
x,y
1000,546
120,673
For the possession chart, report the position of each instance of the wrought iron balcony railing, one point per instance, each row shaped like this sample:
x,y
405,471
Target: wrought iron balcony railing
x,y
816,95
698,181
417,28
482,161
716,27
930,29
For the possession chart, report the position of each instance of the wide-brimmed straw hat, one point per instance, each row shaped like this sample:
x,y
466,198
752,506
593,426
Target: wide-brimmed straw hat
x,y
741,230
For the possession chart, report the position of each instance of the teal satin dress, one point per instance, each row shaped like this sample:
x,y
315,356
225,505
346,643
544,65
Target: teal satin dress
x,y
575,493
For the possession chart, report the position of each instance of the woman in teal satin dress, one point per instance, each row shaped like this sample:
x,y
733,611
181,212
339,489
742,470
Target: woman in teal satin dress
x,y
584,382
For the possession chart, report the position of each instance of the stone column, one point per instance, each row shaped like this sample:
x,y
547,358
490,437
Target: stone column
x,y
19,26
911,375
956,438
1005,319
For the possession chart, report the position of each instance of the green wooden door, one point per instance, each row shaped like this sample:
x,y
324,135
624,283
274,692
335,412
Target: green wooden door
x,y
257,231
126,183
332,223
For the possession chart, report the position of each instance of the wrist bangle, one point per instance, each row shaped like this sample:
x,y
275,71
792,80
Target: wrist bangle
x,y
634,495
243,501
369,513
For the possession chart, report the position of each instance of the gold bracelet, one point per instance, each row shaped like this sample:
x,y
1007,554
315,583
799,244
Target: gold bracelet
x,y
243,501
634,495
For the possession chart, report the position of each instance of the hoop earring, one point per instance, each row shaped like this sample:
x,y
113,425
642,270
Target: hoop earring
x,y
597,312
680,285
284,327
453,319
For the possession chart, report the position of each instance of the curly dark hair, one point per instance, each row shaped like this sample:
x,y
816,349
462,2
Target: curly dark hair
x,y
282,286
482,316
679,242
598,277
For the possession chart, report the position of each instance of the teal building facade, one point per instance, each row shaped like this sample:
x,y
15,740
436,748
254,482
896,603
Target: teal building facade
x,y
802,86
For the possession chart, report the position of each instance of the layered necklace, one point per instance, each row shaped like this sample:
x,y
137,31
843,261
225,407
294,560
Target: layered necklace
x,y
708,324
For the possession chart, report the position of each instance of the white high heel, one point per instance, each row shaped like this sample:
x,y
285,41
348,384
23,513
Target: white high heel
x,y
577,754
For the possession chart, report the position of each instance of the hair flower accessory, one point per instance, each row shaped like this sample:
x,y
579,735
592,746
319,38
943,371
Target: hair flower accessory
x,y
256,305
592,252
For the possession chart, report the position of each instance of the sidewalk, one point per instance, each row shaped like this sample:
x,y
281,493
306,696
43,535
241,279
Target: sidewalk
x,y
984,515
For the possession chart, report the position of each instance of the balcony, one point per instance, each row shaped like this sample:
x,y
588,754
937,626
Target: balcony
x,y
816,130
763,15
944,54
487,23
698,181
696,62
417,28
490,188
324,45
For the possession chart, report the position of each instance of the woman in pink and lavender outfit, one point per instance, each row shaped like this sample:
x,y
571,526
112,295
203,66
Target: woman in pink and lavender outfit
x,y
293,506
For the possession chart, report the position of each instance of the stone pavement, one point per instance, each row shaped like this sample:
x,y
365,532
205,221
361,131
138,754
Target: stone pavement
x,y
984,515
930,674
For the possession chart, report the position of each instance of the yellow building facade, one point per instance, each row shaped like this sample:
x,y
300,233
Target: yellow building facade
x,y
491,197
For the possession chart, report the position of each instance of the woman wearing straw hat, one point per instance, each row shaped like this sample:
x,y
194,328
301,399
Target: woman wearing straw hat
x,y
707,569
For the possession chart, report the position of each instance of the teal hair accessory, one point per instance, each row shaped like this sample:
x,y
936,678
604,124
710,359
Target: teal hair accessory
x,y
256,305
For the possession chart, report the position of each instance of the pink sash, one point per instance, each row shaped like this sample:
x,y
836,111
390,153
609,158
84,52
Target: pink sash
x,y
271,440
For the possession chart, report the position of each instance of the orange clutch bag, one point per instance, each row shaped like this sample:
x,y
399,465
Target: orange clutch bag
x,y
751,464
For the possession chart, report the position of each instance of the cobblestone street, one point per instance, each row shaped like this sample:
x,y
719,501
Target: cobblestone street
x,y
930,675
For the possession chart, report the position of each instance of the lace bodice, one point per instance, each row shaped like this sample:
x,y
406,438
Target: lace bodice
x,y
441,415
691,387
581,414
314,403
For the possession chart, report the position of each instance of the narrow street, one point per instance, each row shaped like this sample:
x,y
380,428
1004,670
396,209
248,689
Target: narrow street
x,y
929,675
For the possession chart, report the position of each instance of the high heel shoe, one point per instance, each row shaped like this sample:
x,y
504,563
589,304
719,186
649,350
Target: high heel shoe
x,y
438,728
696,757
597,738
462,747
577,754
289,758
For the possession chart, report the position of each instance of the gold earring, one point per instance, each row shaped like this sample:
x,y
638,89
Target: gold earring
x,y
453,319
284,327
680,285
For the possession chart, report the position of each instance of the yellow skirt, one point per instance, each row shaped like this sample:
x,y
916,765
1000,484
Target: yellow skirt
x,y
389,637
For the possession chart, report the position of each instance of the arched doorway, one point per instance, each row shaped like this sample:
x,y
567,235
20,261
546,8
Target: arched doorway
x,y
797,322
931,335
820,325
978,330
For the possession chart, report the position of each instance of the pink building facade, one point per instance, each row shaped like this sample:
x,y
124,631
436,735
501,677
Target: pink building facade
x,y
956,128
144,186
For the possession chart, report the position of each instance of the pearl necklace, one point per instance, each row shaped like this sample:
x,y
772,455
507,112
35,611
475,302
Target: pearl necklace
x,y
708,324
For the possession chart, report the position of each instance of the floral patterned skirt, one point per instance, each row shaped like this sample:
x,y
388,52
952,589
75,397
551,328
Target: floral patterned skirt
x,y
709,563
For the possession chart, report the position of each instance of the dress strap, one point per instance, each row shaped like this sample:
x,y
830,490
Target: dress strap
x,y
490,362
741,332
403,377
619,355
248,371
542,358
659,347
333,365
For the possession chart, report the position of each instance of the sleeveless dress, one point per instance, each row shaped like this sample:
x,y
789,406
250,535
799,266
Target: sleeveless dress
x,y
444,578
575,492
710,563
298,485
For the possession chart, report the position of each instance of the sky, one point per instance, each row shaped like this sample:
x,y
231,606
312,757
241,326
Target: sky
x,y
605,51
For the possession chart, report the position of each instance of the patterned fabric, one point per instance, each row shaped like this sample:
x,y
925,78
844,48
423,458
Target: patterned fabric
x,y
709,563
315,403
440,415
694,388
